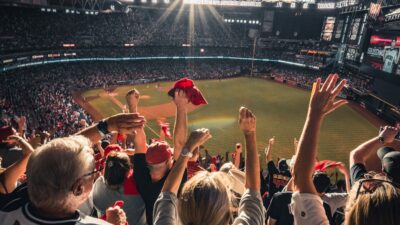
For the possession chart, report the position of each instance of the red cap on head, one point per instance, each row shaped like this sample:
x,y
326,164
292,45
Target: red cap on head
x,y
110,148
158,152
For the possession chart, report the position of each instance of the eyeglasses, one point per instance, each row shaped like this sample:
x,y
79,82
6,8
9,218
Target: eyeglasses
x,y
370,185
93,172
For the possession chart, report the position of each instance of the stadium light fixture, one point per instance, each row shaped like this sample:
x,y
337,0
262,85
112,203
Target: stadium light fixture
x,y
292,5
87,12
237,21
54,10
67,11
305,6
257,22
72,11
143,1
241,21
166,1
77,12
43,9
279,4
245,21
154,1
48,10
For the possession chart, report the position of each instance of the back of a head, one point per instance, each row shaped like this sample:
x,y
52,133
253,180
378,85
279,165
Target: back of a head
x,y
321,182
205,199
54,167
116,167
378,203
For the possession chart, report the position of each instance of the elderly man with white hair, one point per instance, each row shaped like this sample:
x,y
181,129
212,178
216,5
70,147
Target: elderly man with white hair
x,y
60,177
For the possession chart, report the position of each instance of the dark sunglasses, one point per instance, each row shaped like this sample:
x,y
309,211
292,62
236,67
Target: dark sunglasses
x,y
370,185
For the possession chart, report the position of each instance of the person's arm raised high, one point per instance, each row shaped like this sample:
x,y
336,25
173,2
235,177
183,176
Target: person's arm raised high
x,y
132,99
306,205
181,121
247,123
268,149
196,138
322,103
251,209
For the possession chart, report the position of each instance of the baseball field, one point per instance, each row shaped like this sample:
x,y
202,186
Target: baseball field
x,y
280,111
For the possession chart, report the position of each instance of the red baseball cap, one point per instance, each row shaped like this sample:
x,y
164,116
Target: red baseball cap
x,y
194,94
158,152
110,148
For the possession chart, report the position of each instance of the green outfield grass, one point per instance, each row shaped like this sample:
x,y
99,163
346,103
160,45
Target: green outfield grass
x,y
280,112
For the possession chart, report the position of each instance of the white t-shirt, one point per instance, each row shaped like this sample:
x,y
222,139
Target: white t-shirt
x,y
308,209
335,200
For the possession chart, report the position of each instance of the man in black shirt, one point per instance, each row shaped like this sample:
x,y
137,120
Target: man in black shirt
x,y
390,158
152,164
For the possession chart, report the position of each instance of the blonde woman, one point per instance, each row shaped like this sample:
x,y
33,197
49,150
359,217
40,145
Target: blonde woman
x,y
205,199
373,201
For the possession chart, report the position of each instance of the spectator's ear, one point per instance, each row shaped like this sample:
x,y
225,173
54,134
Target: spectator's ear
x,y
77,188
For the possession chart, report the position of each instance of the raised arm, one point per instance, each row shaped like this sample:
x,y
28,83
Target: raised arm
x,y
132,99
122,123
140,141
238,151
268,149
196,138
322,102
364,151
181,122
247,123
16,170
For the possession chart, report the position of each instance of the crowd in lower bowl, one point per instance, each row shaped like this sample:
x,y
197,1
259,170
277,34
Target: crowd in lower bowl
x,y
91,177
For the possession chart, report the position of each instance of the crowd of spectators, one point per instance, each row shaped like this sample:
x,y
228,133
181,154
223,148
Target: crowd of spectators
x,y
91,178
49,104
27,29
58,166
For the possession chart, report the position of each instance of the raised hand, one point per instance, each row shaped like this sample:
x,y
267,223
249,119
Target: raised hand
x,y
132,99
247,121
125,123
26,147
197,138
116,216
388,134
323,99
271,141
180,99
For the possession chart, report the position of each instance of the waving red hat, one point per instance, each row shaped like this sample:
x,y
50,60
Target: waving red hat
x,y
194,94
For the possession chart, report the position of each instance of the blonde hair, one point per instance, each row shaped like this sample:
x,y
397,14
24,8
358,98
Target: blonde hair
x,y
53,169
205,199
380,206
